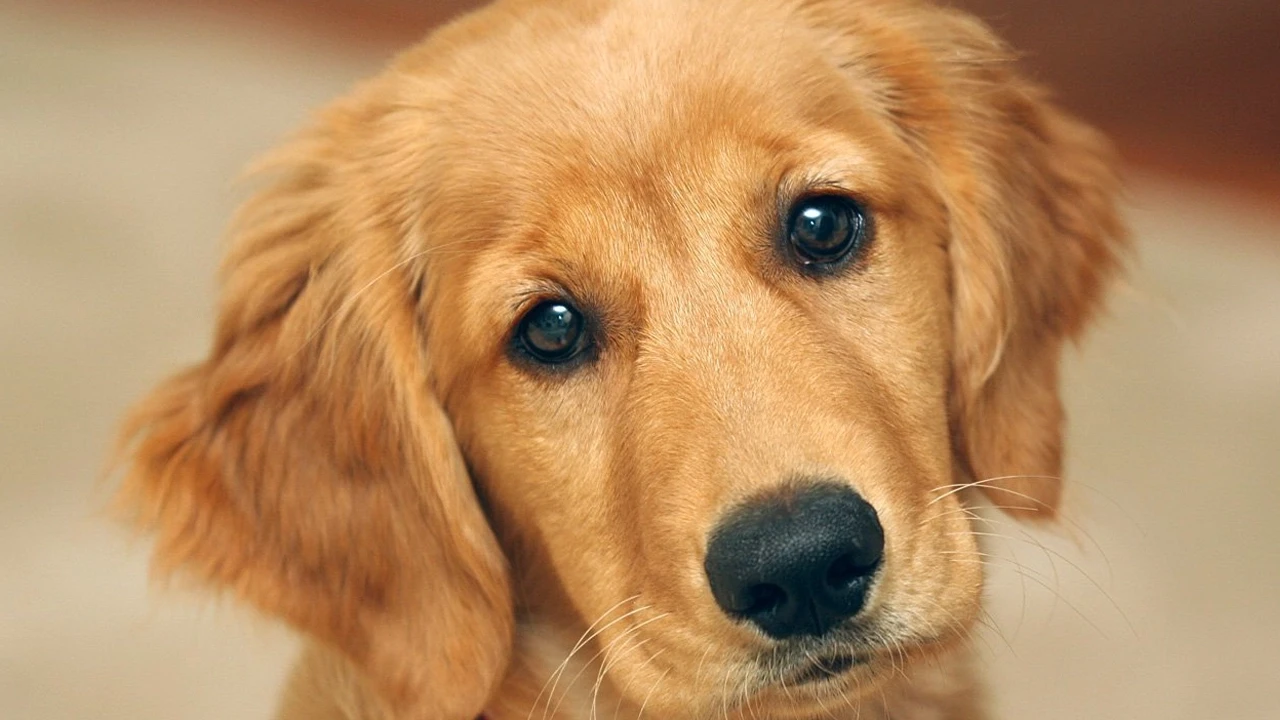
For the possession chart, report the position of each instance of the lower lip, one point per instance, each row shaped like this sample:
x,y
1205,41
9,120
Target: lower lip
x,y
825,669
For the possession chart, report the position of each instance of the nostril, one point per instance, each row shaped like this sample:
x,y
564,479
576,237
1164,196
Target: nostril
x,y
842,573
764,598
846,571
798,562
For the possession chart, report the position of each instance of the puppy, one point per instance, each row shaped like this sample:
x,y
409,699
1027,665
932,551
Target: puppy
x,y
635,358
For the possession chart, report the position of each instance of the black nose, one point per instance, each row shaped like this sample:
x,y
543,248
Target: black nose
x,y
798,563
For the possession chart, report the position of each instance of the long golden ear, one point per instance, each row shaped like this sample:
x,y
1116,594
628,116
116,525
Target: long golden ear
x,y
306,467
1035,238
1034,230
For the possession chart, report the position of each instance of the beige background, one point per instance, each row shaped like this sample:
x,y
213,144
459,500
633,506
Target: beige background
x,y
119,139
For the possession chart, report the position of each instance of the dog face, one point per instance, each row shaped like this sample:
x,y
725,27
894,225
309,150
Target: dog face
x,y
677,326
718,358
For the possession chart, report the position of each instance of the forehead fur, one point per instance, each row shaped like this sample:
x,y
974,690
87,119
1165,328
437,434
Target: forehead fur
x,y
619,97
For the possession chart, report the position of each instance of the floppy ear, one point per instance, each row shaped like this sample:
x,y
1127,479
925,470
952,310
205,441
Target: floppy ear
x,y
305,466
1035,237
1034,229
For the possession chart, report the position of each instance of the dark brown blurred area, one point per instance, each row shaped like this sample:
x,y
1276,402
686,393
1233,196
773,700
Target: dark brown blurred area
x,y
1188,88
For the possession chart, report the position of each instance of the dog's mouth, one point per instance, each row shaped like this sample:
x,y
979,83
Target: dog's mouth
x,y
824,669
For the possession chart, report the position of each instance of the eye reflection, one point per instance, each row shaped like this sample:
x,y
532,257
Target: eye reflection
x,y
552,332
825,229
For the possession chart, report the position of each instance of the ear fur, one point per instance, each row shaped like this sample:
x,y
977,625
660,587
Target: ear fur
x,y
1036,236
1035,233
305,466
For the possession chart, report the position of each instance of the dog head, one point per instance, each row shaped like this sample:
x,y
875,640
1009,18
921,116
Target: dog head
x,y
679,324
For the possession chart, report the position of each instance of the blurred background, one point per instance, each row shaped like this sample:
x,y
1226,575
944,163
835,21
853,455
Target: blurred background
x,y
123,124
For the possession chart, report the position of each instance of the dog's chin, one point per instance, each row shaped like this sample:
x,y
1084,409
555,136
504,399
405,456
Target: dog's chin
x,y
814,680
818,679
825,669
814,691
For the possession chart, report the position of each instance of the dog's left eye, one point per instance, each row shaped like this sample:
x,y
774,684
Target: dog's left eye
x,y
553,332
825,229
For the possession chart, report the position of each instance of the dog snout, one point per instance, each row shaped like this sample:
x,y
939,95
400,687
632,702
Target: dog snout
x,y
796,563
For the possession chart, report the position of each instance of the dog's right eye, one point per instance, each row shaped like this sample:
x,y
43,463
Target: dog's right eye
x,y
826,230
553,332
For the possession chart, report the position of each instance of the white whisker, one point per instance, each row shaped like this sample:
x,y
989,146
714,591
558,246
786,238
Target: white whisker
x,y
587,636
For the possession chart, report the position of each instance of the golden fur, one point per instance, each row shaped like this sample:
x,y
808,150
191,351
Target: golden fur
x,y
360,457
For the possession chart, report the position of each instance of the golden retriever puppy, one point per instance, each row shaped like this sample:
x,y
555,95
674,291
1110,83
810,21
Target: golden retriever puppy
x,y
639,358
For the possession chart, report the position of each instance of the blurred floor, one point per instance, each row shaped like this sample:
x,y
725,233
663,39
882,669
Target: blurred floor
x,y
119,139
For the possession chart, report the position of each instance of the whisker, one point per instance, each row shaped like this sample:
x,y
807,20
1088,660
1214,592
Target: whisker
x,y
782,677
1023,532
697,676
1067,518
1075,525
1074,483
617,710
1035,577
1022,584
897,654
954,488
956,627
602,654
884,701
724,695
825,710
987,621
649,694
1051,554
857,709
743,694
587,636
623,649
972,513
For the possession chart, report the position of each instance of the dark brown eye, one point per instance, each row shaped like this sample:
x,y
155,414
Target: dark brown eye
x,y
552,332
825,229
